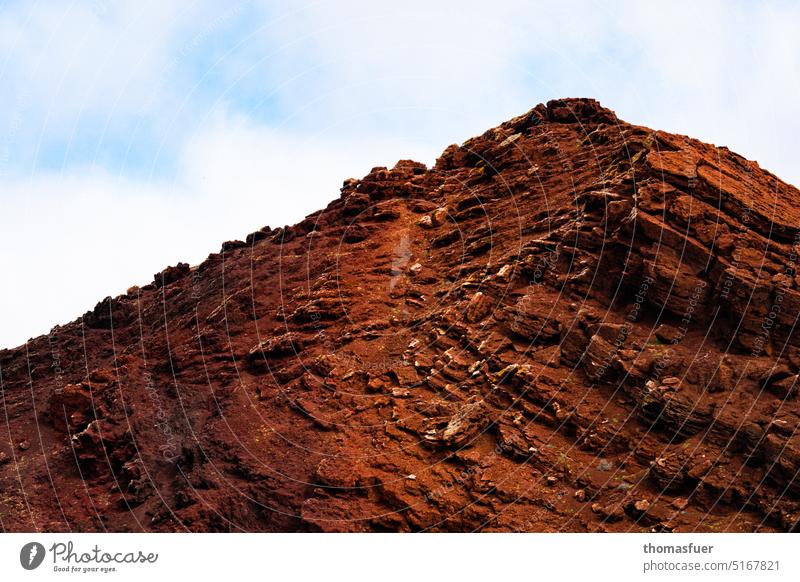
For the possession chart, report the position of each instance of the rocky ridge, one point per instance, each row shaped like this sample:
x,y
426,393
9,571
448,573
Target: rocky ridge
x,y
569,323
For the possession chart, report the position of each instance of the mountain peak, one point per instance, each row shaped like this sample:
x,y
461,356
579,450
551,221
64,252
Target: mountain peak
x,y
567,323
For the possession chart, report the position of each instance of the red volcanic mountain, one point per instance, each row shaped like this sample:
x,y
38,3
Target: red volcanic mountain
x,y
569,323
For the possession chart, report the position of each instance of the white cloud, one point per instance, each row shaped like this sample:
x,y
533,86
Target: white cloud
x,y
276,174
110,72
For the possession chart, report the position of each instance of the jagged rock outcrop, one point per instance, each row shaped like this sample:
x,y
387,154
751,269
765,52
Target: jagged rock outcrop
x,y
569,323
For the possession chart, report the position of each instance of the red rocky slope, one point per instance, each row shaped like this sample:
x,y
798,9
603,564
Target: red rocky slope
x,y
569,323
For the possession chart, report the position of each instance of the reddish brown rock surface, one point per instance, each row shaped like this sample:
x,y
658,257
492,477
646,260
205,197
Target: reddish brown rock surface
x,y
570,323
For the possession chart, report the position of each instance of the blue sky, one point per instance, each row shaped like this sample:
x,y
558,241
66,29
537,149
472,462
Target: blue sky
x,y
134,135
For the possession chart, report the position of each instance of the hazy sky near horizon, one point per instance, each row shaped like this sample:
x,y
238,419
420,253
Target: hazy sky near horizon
x,y
137,134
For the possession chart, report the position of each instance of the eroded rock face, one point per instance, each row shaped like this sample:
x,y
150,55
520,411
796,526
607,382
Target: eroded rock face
x,y
569,323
